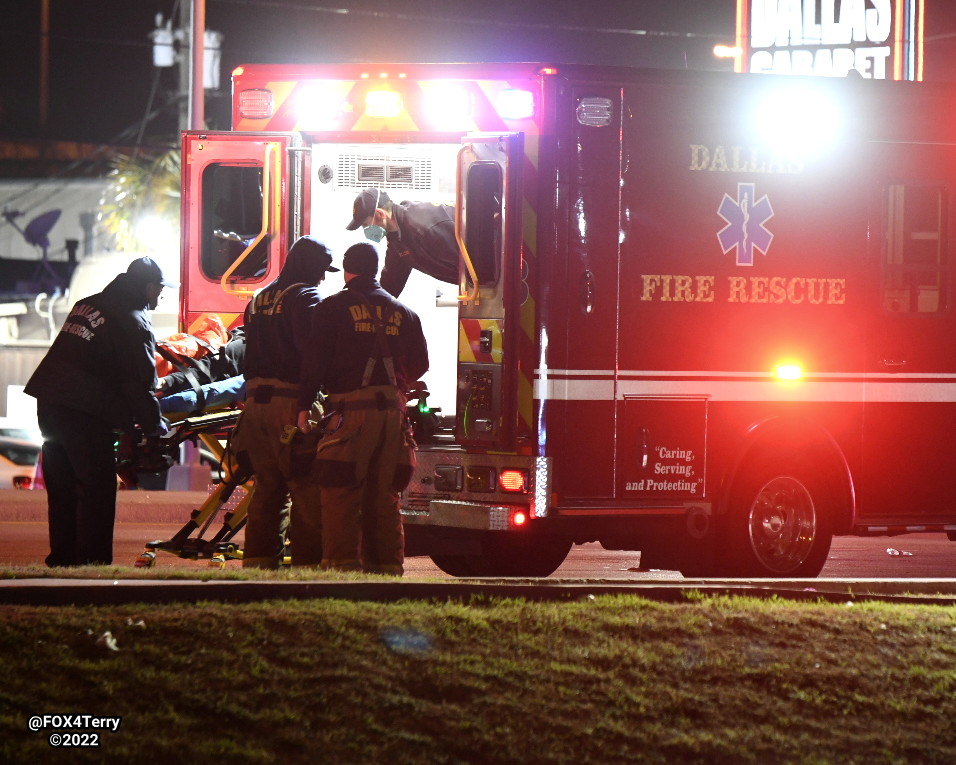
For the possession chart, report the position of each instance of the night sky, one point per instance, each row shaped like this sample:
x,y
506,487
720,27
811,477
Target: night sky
x,y
101,61
102,81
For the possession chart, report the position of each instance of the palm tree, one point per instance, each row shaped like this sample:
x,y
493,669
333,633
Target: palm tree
x,y
143,190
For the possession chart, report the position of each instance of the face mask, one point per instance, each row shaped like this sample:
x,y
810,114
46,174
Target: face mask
x,y
374,233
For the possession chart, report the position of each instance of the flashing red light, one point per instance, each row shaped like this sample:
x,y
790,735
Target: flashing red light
x,y
788,371
22,482
513,480
520,518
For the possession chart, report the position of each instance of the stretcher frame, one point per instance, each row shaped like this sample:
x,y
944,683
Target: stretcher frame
x,y
210,428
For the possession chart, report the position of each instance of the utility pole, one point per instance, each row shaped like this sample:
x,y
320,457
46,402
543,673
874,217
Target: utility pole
x,y
44,105
196,50
197,102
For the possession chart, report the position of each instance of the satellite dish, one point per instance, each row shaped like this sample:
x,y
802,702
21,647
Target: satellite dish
x,y
37,229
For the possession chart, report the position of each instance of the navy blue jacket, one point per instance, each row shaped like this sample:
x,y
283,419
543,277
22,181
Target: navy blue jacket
x,y
344,338
102,362
425,241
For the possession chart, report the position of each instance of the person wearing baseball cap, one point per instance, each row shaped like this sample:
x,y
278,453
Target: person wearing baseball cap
x,y
278,321
97,377
420,235
366,351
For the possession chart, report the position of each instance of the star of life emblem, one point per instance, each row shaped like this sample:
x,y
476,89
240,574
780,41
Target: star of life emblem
x,y
745,228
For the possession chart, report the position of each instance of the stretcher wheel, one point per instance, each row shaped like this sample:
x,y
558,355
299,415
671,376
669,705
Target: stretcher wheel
x,y
145,560
218,561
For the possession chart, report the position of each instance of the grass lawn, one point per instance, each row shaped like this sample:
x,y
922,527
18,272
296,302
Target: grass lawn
x,y
611,679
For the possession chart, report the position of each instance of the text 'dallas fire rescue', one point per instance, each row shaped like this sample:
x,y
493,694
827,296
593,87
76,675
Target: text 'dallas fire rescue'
x,y
745,216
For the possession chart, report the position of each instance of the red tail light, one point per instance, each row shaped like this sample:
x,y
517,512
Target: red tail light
x,y
513,480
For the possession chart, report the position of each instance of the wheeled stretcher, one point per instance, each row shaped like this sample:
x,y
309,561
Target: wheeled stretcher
x,y
213,429
232,495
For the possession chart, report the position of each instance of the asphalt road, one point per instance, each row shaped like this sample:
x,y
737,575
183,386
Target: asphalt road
x,y
24,543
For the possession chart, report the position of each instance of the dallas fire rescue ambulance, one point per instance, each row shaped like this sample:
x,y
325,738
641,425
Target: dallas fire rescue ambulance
x,y
705,316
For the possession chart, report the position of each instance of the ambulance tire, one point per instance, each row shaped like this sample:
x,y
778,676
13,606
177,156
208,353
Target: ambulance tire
x,y
779,524
508,556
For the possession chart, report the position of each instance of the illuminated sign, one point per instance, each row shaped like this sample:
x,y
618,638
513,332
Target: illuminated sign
x,y
876,39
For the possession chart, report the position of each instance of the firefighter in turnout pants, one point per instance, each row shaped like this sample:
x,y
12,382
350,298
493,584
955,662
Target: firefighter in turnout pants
x,y
278,321
366,349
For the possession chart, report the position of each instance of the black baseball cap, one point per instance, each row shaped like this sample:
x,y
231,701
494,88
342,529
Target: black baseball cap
x,y
361,260
147,271
365,205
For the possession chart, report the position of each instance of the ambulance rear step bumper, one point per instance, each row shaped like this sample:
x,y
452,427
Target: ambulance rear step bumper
x,y
462,515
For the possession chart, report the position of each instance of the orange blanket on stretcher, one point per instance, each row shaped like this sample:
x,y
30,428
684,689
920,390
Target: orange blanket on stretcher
x,y
206,338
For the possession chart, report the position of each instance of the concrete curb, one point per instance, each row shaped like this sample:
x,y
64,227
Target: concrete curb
x,y
63,592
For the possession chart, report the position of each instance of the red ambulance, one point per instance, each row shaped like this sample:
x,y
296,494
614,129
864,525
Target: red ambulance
x,y
705,316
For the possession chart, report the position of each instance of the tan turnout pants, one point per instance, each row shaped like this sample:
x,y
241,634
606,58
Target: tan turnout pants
x,y
281,508
360,464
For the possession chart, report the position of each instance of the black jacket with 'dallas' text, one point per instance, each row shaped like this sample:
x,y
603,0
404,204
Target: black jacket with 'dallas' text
x,y
344,337
102,362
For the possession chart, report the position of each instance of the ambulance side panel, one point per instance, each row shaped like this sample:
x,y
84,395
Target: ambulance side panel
x,y
719,253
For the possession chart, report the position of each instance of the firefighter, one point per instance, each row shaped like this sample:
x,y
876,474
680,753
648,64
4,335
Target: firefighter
x,y
277,325
367,349
420,235
98,376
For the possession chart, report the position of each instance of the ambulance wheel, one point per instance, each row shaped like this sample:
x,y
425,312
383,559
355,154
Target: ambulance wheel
x,y
778,524
455,565
509,556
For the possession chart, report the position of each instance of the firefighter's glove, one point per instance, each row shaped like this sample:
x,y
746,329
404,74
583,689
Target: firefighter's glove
x,y
161,429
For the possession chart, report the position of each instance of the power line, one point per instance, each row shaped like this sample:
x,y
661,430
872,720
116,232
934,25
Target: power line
x,y
393,15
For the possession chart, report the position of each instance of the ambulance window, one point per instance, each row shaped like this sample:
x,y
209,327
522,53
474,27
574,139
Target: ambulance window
x,y
231,219
916,262
483,219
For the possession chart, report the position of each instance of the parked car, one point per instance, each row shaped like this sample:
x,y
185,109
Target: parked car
x,y
18,461
11,428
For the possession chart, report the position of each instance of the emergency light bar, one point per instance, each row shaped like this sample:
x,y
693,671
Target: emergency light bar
x,y
385,104
446,105
515,104
256,104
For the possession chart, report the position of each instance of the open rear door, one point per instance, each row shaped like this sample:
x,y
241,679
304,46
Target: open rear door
x,y
488,225
240,192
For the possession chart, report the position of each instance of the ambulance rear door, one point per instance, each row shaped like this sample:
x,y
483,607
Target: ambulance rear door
x,y
240,214
488,225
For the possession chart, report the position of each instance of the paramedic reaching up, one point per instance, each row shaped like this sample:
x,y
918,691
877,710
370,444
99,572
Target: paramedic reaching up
x,y
98,376
421,235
